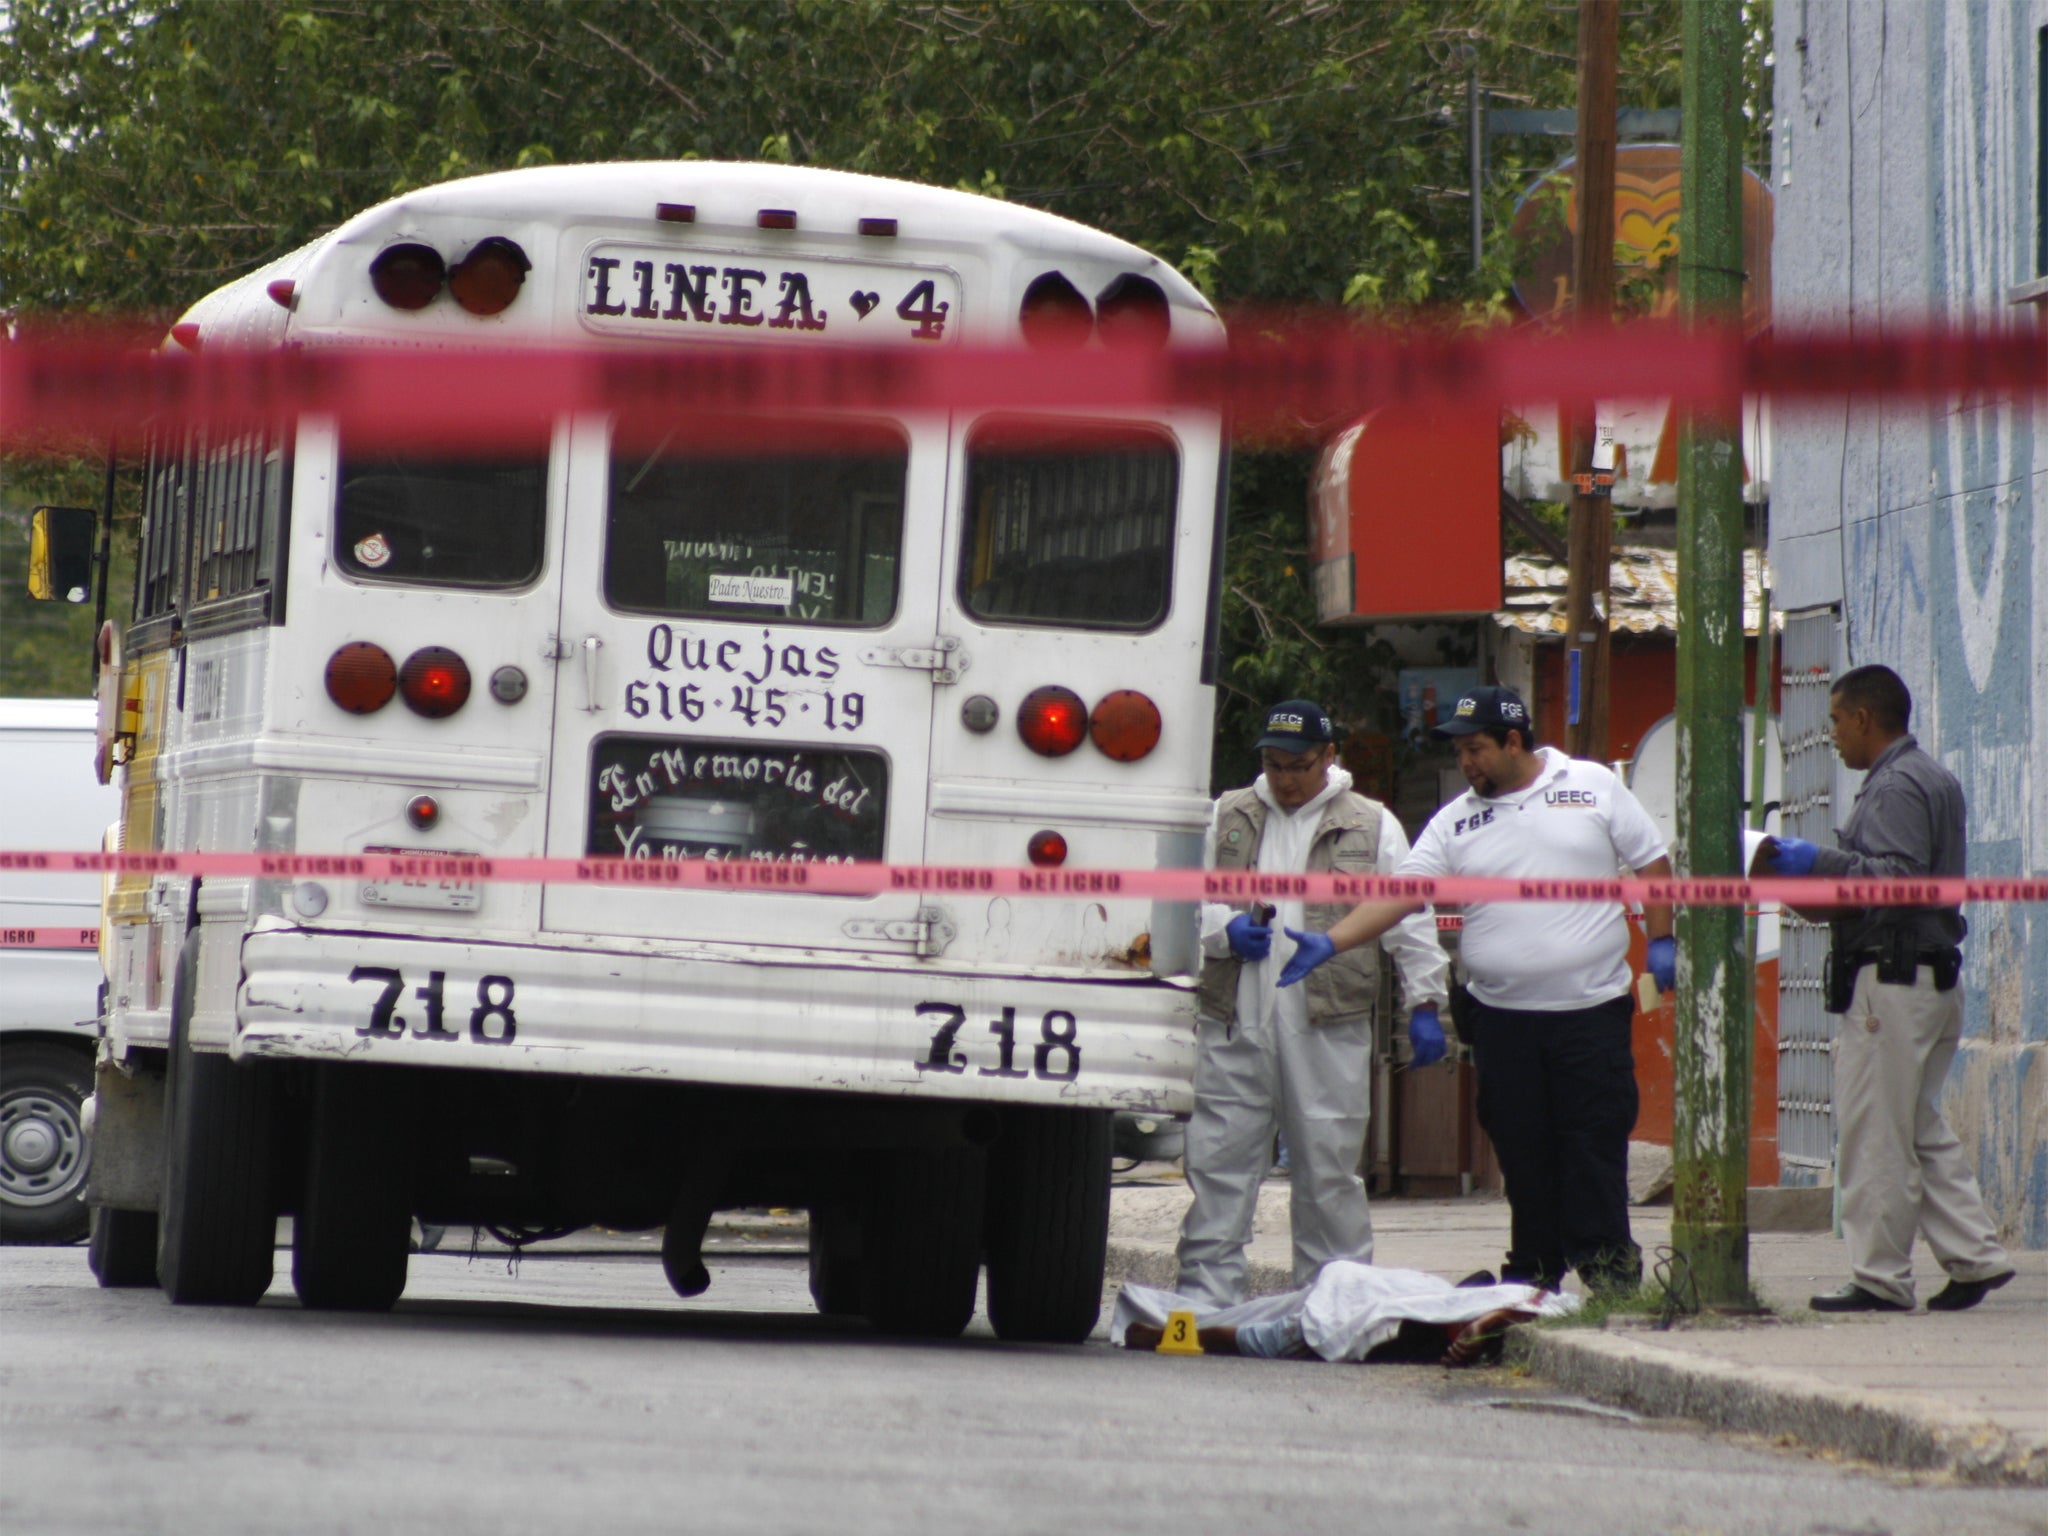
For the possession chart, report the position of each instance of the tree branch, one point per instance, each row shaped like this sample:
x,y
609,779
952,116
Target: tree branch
x,y
654,76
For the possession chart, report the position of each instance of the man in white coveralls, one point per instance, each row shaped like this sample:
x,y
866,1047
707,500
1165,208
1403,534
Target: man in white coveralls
x,y
1298,1061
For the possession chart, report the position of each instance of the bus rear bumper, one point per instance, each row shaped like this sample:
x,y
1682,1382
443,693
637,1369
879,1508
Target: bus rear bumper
x,y
1117,1043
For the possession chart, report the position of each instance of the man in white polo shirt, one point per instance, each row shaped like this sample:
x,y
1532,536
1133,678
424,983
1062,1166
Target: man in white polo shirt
x,y
1551,1006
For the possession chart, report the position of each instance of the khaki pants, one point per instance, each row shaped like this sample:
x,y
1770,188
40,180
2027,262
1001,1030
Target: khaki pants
x,y
1901,1168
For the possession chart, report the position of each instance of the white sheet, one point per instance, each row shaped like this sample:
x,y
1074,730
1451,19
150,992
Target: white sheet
x,y
1348,1308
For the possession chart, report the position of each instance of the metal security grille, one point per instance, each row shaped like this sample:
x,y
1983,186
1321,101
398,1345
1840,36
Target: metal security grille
x,y
1806,1136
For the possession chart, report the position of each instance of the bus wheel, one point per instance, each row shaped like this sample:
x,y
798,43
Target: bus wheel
x,y
355,1215
123,1250
835,1258
920,1242
218,1225
44,1154
1048,1230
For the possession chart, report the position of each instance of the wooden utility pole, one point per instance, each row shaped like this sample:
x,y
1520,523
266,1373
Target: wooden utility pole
x,y
1713,1037
1590,535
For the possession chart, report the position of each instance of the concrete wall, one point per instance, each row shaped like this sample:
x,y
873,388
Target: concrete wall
x,y
1906,158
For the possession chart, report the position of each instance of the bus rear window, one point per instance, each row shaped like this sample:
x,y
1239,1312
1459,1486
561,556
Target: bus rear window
x,y
752,533
459,522
1068,525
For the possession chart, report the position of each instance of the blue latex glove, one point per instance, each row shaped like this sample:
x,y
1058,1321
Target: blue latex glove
x,y
1794,856
1312,949
1249,940
1664,962
1426,1035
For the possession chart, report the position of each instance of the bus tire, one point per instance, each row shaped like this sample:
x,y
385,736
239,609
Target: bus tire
x,y
354,1225
920,1248
217,1232
44,1152
1048,1229
123,1248
835,1258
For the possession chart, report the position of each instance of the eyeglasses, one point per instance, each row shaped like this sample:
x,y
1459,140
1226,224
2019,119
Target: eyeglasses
x,y
1291,765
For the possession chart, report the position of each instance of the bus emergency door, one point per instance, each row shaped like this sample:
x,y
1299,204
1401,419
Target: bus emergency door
x,y
746,658
1078,567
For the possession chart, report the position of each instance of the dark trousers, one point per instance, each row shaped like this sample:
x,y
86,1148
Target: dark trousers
x,y
1557,1097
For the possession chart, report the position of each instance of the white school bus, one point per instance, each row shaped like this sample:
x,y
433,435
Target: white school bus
x,y
948,637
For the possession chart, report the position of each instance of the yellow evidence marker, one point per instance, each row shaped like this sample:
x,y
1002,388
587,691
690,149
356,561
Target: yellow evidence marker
x,y
1180,1337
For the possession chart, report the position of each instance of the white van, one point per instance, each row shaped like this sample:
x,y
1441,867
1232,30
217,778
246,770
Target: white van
x,y
49,967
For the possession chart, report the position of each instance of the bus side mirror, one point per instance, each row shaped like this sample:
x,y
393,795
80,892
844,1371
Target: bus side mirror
x,y
60,541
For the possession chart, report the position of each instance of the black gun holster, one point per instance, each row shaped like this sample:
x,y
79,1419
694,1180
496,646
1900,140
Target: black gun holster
x,y
1898,960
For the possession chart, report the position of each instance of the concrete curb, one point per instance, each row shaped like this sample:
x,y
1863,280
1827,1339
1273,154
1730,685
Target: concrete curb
x,y
1893,1429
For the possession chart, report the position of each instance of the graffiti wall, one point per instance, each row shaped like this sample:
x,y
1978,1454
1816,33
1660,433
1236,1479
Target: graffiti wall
x,y
1907,156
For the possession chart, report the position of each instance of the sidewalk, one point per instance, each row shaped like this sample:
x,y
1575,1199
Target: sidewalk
x,y
1962,1392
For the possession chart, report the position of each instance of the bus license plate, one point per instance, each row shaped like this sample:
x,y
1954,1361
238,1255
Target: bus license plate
x,y
424,892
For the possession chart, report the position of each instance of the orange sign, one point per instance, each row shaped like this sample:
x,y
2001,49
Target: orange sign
x,y
1646,235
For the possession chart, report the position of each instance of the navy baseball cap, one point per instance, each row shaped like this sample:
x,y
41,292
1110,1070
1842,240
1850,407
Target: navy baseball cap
x,y
1479,708
1297,725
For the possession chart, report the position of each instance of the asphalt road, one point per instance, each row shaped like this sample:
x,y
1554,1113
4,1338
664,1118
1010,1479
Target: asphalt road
x,y
580,1395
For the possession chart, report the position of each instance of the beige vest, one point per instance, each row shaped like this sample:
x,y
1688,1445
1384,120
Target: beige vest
x,y
1344,988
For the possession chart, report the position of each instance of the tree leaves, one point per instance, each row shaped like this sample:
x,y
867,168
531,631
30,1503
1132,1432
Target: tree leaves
x,y
1280,151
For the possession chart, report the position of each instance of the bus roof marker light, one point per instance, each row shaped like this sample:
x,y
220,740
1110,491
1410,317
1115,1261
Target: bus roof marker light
x,y
676,213
434,682
1132,314
1052,720
488,279
881,227
1054,315
282,292
1125,725
186,334
361,677
408,275
776,218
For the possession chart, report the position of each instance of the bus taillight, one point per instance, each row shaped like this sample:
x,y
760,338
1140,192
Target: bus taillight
x,y
361,677
1047,850
1125,725
488,279
409,275
1052,720
434,682
1132,313
1054,315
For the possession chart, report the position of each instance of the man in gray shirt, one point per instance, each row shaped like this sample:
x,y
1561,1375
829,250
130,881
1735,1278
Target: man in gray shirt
x,y
1893,973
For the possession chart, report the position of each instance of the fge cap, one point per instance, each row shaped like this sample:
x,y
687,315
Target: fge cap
x,y
1479,708
1297,725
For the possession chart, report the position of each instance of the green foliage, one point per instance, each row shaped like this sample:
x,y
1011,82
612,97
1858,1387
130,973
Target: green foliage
x,y
1286,150
1278,151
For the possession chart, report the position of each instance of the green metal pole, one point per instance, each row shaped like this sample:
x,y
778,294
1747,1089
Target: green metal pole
x,y
1710,1206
